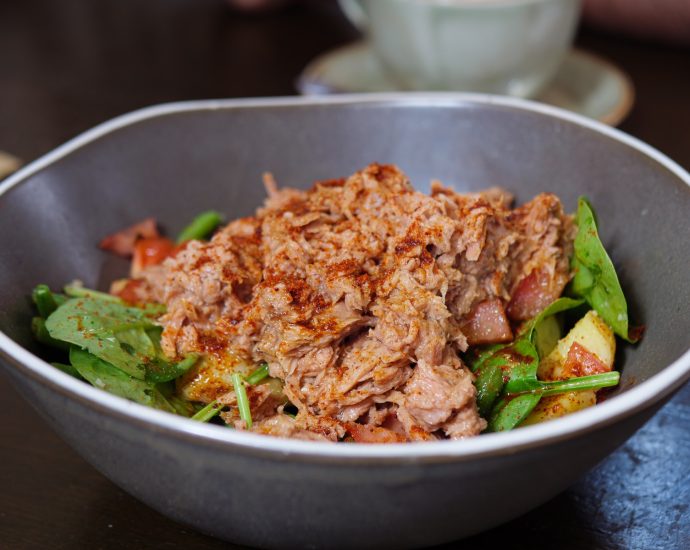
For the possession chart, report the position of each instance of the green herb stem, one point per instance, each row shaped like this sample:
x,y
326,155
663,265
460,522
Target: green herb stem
x,y
242,399
593,382
258,375
581,383
208,412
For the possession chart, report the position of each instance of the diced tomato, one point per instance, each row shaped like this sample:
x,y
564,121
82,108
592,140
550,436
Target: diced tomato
x,y
487,324
582,362
373,434
123,242
150,251
531,295
128,291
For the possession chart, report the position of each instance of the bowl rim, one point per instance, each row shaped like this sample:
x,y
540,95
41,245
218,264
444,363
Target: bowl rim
x,y
636,399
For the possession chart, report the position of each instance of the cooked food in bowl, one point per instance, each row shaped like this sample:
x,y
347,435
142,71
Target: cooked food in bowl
x,y
360,310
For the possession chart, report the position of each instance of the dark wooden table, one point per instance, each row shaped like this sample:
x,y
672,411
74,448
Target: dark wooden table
x,y
68,65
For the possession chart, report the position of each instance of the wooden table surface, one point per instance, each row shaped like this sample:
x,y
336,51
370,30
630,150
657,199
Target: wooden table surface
x,y
68,65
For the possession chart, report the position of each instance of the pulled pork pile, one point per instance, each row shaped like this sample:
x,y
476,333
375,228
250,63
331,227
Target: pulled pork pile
x,y
360,294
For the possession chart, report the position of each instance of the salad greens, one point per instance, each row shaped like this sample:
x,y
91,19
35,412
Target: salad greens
x,y
509,412
113,380
506,374
40,332
595,277
76,290
117,347
125,337
505,371
46,302
109,330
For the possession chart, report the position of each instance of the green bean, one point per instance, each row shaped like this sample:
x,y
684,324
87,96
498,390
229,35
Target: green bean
x,y
201,227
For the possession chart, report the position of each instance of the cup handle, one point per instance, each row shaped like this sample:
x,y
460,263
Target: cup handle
x,y
354,11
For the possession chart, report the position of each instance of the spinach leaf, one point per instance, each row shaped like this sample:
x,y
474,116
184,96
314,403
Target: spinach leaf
x,y
109,330
107,377
521,361
489,385
595,277
76,290
41,334
159,370
509,412
478,355
512,362
123,336
557,306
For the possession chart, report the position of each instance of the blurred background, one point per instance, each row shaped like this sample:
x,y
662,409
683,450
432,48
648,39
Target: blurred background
x,y
67,65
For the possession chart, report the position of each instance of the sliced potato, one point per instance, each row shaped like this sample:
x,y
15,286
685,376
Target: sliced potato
x,y
555,406
592,333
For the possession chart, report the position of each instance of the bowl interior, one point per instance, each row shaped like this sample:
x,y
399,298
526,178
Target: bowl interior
x,y
174,165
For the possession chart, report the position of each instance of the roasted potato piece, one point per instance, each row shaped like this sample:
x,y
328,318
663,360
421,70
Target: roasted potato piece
x,y
597,339
592,333
555,406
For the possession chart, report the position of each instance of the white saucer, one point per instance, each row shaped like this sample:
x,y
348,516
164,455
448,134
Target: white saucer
x,y
585,83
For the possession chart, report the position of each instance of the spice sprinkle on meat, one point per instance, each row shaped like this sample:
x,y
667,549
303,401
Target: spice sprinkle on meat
x,y
361,295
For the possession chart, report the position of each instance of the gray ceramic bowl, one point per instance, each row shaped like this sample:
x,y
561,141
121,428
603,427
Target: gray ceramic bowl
x,y
175,160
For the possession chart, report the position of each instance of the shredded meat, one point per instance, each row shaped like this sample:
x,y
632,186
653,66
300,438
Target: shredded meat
x,y
361,294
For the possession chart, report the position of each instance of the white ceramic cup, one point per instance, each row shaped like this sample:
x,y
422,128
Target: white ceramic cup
x,y
511,47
